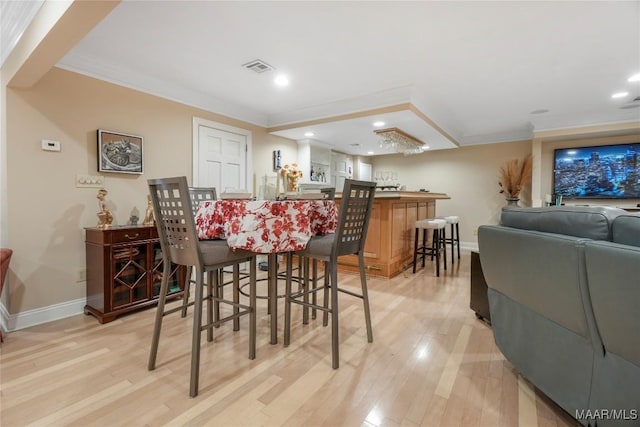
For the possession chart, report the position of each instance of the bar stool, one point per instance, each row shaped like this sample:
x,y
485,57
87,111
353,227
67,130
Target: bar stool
x,y
454,239
437,243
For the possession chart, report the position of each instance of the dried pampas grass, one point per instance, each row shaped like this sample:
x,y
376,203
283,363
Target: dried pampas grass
x,y
514,175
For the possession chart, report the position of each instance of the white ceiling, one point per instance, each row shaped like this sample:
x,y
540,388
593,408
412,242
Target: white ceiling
x,y
476,69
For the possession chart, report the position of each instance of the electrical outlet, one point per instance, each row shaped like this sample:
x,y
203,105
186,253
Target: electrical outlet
x,y
475,232
82,275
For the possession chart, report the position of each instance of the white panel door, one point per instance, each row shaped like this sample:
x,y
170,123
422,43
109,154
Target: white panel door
x,y
222,159
364,171
340,170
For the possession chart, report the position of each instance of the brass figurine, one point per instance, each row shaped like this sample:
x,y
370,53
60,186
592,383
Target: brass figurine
x,y
148,216
105,218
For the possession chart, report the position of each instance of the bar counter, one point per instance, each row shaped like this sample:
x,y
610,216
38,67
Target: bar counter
x,y
389,245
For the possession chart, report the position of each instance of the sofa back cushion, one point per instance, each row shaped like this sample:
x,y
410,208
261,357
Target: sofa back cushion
x,y
590,222
626,230
541,271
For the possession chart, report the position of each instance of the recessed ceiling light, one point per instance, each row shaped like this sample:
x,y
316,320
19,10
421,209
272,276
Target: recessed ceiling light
x,y
281,80
425,147
620,95
309,134
634,78
378,124
539,111
370,152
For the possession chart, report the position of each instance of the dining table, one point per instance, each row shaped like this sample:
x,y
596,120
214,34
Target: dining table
x,y
268,227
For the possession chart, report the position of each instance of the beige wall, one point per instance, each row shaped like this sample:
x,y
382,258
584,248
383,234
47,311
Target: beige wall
x,y
46,213
469,175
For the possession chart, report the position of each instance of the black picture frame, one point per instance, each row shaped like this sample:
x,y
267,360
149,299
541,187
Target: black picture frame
x,y
120,152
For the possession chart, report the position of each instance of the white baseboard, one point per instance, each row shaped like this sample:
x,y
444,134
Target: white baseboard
x,y
25,319
471,246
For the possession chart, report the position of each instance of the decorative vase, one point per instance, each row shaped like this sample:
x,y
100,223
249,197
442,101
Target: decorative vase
x,y
292,183
513,201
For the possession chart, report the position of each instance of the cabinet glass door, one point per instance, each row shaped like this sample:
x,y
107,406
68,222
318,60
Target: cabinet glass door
x,y
130,275
158,265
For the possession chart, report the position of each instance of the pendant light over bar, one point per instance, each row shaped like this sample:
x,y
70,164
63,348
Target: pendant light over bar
x,y
400,141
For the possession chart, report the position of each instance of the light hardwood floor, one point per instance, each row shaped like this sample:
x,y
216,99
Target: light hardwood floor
x,y
432,363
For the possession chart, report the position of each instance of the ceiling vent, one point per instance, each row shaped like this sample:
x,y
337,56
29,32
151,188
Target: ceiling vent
x,y
258,65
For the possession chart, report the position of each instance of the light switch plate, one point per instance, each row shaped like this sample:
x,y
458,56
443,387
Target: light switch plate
x,y
89,181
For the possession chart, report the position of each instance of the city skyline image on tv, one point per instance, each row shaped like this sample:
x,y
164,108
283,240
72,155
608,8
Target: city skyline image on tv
x,y
603,171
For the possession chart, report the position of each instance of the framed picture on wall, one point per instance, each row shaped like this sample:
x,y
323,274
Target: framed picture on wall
x,y
119,152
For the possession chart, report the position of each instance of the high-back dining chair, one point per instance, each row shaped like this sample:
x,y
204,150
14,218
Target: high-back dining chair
x,y
329,192
197,195
349,238
180,245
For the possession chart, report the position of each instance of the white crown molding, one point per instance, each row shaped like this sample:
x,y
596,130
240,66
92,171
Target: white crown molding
x,y
119,75
385,98
594,119
516,135
28,318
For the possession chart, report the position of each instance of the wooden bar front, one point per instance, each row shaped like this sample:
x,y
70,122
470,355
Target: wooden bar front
x,y
389,244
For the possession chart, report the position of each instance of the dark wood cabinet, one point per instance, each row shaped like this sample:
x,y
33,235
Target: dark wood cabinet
x,y
124,271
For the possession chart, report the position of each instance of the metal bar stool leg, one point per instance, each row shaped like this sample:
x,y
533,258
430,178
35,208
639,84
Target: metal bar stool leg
x,y
155,340
287,301
185,295
436,245
211,284
195,341
335,340
365,298
415,249
314,295
305,289
325,315
458,238
443,242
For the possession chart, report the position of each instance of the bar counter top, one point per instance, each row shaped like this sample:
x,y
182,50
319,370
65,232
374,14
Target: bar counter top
x,y
396,194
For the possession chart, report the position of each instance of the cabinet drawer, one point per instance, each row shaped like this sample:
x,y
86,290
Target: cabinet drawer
x,y
120,234
130,235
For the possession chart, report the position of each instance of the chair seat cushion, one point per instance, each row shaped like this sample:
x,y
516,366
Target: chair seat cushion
x,y
430,223
218,252
319,247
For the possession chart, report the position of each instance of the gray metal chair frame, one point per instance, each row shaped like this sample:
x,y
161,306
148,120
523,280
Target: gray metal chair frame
x,y
303,267
180,245
329,192
197,195
353,222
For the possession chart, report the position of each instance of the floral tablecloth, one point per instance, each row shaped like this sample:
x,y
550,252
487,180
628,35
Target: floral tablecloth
x,y
266,226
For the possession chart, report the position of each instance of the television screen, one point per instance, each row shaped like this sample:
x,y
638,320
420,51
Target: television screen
x,y
603,171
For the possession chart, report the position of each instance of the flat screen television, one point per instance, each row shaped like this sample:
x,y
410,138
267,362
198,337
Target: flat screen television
x,y
601,171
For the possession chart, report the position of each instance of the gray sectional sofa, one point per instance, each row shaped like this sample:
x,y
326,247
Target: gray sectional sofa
x,y
564,296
